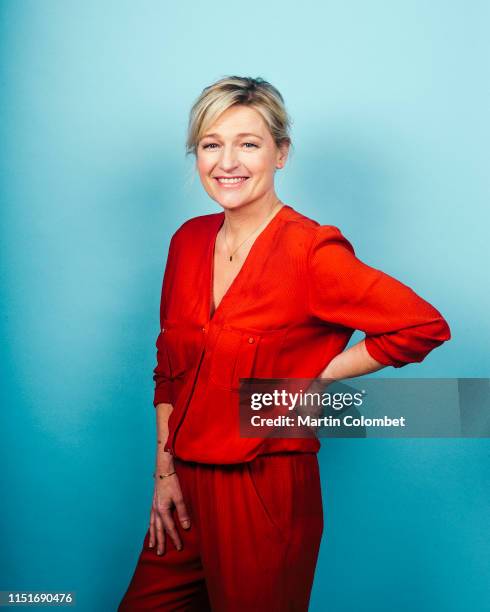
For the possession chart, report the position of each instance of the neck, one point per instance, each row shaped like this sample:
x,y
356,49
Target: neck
x,y
245,219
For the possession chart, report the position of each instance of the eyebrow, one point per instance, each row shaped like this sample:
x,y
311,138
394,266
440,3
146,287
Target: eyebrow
x,y
241,134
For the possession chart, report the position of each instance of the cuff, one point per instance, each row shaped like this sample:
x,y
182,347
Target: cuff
x,y
164,394
373,347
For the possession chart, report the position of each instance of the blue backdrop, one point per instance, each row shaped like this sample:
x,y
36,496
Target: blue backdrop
x,y
391,129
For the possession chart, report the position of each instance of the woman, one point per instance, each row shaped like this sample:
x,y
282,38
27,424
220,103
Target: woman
x,y
257,290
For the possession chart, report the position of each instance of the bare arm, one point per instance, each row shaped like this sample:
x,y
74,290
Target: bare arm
x,y
163,461
167,490
355,361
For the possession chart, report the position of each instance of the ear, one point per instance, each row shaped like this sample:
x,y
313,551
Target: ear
x,y
282,154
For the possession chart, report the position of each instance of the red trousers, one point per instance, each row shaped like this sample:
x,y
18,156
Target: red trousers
x,y
252,545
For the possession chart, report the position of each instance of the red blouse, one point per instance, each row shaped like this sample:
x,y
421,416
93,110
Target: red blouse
x,y
293,306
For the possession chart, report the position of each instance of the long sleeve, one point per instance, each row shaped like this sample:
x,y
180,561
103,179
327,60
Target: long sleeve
x,y
164,391
400,326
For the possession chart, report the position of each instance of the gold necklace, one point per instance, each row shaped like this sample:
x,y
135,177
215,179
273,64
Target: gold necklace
x,y
263,222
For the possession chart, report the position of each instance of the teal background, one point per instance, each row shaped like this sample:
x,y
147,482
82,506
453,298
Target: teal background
x,y
391,128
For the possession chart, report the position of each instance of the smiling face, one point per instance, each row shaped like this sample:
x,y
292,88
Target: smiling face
x,y
237,157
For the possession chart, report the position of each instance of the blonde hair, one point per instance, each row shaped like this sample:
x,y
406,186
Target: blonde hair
x,y
232,90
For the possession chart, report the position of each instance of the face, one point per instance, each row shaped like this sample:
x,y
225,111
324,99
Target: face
x,y
237,158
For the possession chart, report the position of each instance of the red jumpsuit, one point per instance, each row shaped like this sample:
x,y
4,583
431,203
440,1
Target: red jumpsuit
x,y
255,503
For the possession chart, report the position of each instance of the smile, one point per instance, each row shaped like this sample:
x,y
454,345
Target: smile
x,y
236,180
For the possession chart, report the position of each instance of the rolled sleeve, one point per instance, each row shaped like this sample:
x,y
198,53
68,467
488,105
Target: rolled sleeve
x,y
400,326
164,384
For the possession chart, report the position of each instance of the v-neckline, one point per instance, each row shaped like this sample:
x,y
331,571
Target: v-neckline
x,y
214,236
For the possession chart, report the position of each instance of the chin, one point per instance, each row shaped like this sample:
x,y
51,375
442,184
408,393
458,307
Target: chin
x,y
231,204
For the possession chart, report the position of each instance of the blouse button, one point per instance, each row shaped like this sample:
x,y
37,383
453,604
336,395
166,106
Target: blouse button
x,y
163,330
251,340
203,329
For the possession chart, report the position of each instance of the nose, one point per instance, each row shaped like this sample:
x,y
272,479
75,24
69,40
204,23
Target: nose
x,y
228,159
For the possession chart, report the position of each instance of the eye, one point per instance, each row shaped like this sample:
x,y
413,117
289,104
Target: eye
x,y
213,145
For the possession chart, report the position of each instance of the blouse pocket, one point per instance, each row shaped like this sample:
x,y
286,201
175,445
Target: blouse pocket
x,y
241,353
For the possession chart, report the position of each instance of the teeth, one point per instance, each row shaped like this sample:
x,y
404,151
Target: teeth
x,y
231,180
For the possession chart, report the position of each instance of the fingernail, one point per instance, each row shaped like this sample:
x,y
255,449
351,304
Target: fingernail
x,y
179,547
150,544
186,524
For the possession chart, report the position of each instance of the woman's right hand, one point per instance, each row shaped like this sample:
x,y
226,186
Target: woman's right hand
x,y
166,495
